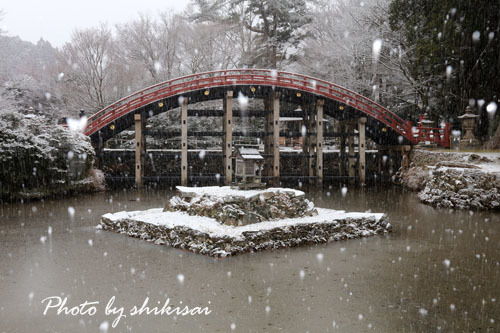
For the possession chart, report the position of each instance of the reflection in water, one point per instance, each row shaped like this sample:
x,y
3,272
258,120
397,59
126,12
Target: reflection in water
x,y
438,270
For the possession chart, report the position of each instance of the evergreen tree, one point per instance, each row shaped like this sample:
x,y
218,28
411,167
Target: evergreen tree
x,y
453,48
277,26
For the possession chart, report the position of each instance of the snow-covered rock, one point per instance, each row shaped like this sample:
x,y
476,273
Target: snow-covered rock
x,y
454,180
232,206
462,188
197,220
205,235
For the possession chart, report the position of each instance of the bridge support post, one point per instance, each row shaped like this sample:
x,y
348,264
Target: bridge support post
x,y
310,143
319,142
272,138
140,150
305,139
308,140
342,129
276,138
227,141
184,142
362,150
352,156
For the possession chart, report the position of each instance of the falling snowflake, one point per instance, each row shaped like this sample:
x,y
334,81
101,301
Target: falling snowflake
x,y
344,191
377,47
242,100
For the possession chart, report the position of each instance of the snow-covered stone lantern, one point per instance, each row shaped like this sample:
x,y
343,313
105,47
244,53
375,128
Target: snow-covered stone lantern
x,y
468,127
426,130
425,121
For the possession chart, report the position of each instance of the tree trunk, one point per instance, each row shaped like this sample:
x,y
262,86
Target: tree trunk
x,y
494,142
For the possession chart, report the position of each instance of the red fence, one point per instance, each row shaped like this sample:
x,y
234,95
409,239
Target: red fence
x,y
433,135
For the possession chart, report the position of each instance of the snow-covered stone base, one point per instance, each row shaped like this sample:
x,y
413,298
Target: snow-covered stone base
x,y
236,207
205,235
454,180
462,188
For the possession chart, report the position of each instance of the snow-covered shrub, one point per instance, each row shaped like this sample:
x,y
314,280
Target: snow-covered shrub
x,y
39,158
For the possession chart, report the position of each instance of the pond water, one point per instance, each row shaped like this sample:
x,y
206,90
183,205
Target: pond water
x,y
438,270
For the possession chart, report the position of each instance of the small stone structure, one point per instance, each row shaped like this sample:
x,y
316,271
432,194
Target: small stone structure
x,y
468,126
425,122
425,127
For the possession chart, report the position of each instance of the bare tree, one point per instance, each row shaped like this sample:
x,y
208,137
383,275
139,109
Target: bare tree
x,y
90,57
2,14
342,50
151,43
206,47
169,34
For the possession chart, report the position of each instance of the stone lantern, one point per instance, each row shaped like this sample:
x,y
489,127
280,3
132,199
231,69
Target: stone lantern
x,y
426,122
468,126
425,130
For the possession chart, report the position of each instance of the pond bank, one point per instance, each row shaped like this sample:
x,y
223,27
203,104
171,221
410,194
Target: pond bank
x,y
455,180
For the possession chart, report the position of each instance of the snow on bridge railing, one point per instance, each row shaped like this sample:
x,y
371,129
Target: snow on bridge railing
x,y
266,77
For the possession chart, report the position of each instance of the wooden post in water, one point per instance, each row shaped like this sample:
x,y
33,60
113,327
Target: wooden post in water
x,y
227,141
342,129
140,150
319,142
268,141
276,138
184,141
352,156
311,144
362,150
304,130
308,140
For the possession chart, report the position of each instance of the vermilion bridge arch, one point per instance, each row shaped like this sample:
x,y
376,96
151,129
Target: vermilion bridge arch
x,y
382,126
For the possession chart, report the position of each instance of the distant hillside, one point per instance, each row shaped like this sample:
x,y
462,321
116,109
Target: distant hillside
x,y
28,77
19,57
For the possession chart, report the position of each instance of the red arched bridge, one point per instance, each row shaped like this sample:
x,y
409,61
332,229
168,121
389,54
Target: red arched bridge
x,y
382,126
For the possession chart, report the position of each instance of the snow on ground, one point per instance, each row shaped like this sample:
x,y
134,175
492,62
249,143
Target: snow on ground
x,y
156,216
490,167
484,167
488,154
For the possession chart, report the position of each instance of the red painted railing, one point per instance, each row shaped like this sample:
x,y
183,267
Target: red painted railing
x,y
433,135
249,77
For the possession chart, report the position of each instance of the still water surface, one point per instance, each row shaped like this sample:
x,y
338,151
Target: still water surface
x,y
438,271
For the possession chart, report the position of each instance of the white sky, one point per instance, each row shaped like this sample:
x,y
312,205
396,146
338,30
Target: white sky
x,y
55,20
